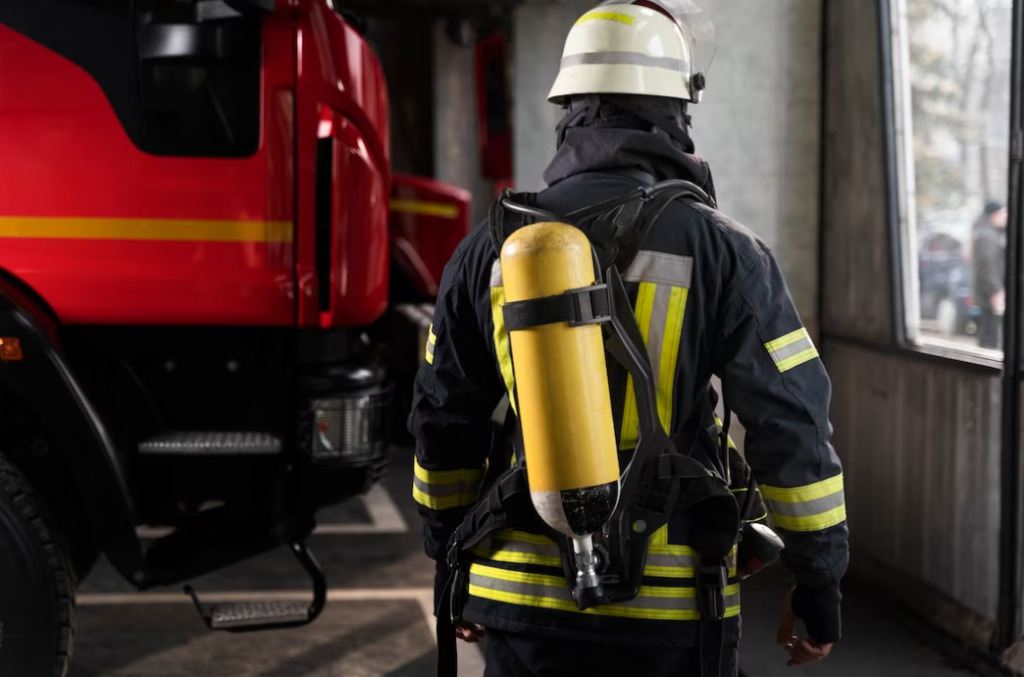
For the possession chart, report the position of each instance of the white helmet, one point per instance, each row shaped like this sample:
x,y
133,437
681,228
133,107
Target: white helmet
x,y
624,48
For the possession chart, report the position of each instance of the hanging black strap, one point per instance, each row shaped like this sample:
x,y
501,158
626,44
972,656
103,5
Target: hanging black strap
x,y
712,578
712,648
447,651
506,502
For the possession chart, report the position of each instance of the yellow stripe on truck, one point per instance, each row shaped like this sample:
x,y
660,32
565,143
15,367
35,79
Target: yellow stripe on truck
x,y
152,230
440,209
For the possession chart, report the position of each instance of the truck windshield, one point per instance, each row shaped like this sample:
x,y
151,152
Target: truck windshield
x,y
182,76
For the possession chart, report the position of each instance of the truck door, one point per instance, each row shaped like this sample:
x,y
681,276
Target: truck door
x,y
343,173
148,165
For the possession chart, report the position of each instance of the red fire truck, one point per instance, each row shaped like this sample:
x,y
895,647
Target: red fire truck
x,y
203,256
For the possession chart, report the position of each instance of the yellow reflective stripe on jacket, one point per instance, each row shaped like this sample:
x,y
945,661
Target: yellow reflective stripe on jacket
x,y
431,342
630,415
792,350
813,507
660,311
670,347
502,346
681,562
445,489
552,592
518,547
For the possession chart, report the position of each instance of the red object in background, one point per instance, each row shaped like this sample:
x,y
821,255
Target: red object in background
x,y
428,221
108,234
500,186
339,76
494,107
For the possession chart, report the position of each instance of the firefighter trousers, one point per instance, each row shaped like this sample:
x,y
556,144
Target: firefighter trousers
x,y
512,655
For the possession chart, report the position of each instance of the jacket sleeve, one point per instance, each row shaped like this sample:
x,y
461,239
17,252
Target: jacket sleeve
x,y
456,391
774,380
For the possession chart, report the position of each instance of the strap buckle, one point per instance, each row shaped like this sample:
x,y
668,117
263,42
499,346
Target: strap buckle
x,y
457,601
454,549
590,305
711,582
456,578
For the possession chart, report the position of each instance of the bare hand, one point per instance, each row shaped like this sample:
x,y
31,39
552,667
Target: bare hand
x,y
470,633
805,651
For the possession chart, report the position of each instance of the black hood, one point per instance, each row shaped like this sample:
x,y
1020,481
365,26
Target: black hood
x,y
607,132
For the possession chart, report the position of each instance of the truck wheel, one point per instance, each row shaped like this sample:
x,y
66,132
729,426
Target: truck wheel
x,y
37,594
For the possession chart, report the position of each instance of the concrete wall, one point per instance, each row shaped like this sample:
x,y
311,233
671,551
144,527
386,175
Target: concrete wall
x,y
456,140
759,125
538,35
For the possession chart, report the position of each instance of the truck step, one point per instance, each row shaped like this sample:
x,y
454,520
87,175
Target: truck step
x,y
211,444
251,614
276,615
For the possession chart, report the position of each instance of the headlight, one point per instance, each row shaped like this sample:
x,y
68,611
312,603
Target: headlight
x,y
348,429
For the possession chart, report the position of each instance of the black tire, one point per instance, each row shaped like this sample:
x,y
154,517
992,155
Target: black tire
x,y
37,586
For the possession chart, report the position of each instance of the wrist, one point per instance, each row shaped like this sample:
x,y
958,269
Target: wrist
x,y
819,608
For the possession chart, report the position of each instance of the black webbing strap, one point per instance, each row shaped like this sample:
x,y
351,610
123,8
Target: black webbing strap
x,y
578,307
494,511
503,222
447,650
712,648
507,501
712,577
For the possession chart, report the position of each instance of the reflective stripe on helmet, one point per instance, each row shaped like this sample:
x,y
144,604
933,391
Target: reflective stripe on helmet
x,y
625,58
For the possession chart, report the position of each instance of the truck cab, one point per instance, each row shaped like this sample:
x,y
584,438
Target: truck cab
x,y
211,288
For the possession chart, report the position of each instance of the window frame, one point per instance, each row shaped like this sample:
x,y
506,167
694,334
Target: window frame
x,y
902,203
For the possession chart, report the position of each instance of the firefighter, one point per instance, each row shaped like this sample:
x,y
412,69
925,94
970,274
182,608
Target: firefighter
x,y
709,299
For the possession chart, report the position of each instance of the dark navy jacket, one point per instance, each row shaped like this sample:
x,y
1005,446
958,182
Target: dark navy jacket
x,y
710,300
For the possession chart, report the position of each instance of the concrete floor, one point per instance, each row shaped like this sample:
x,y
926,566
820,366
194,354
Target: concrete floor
x,y
377,620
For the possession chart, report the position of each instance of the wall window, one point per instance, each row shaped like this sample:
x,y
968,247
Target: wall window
x,y
952,81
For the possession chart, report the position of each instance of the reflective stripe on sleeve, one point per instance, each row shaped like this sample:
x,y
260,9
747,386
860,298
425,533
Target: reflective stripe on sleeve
x,y
552,592
813,507
444,489
502,346
431,341
792,350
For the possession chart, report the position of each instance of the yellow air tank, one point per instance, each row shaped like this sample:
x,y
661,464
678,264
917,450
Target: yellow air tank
x,y
562,384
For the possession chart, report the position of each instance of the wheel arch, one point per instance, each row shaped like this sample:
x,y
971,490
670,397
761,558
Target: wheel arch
x,y
43,384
